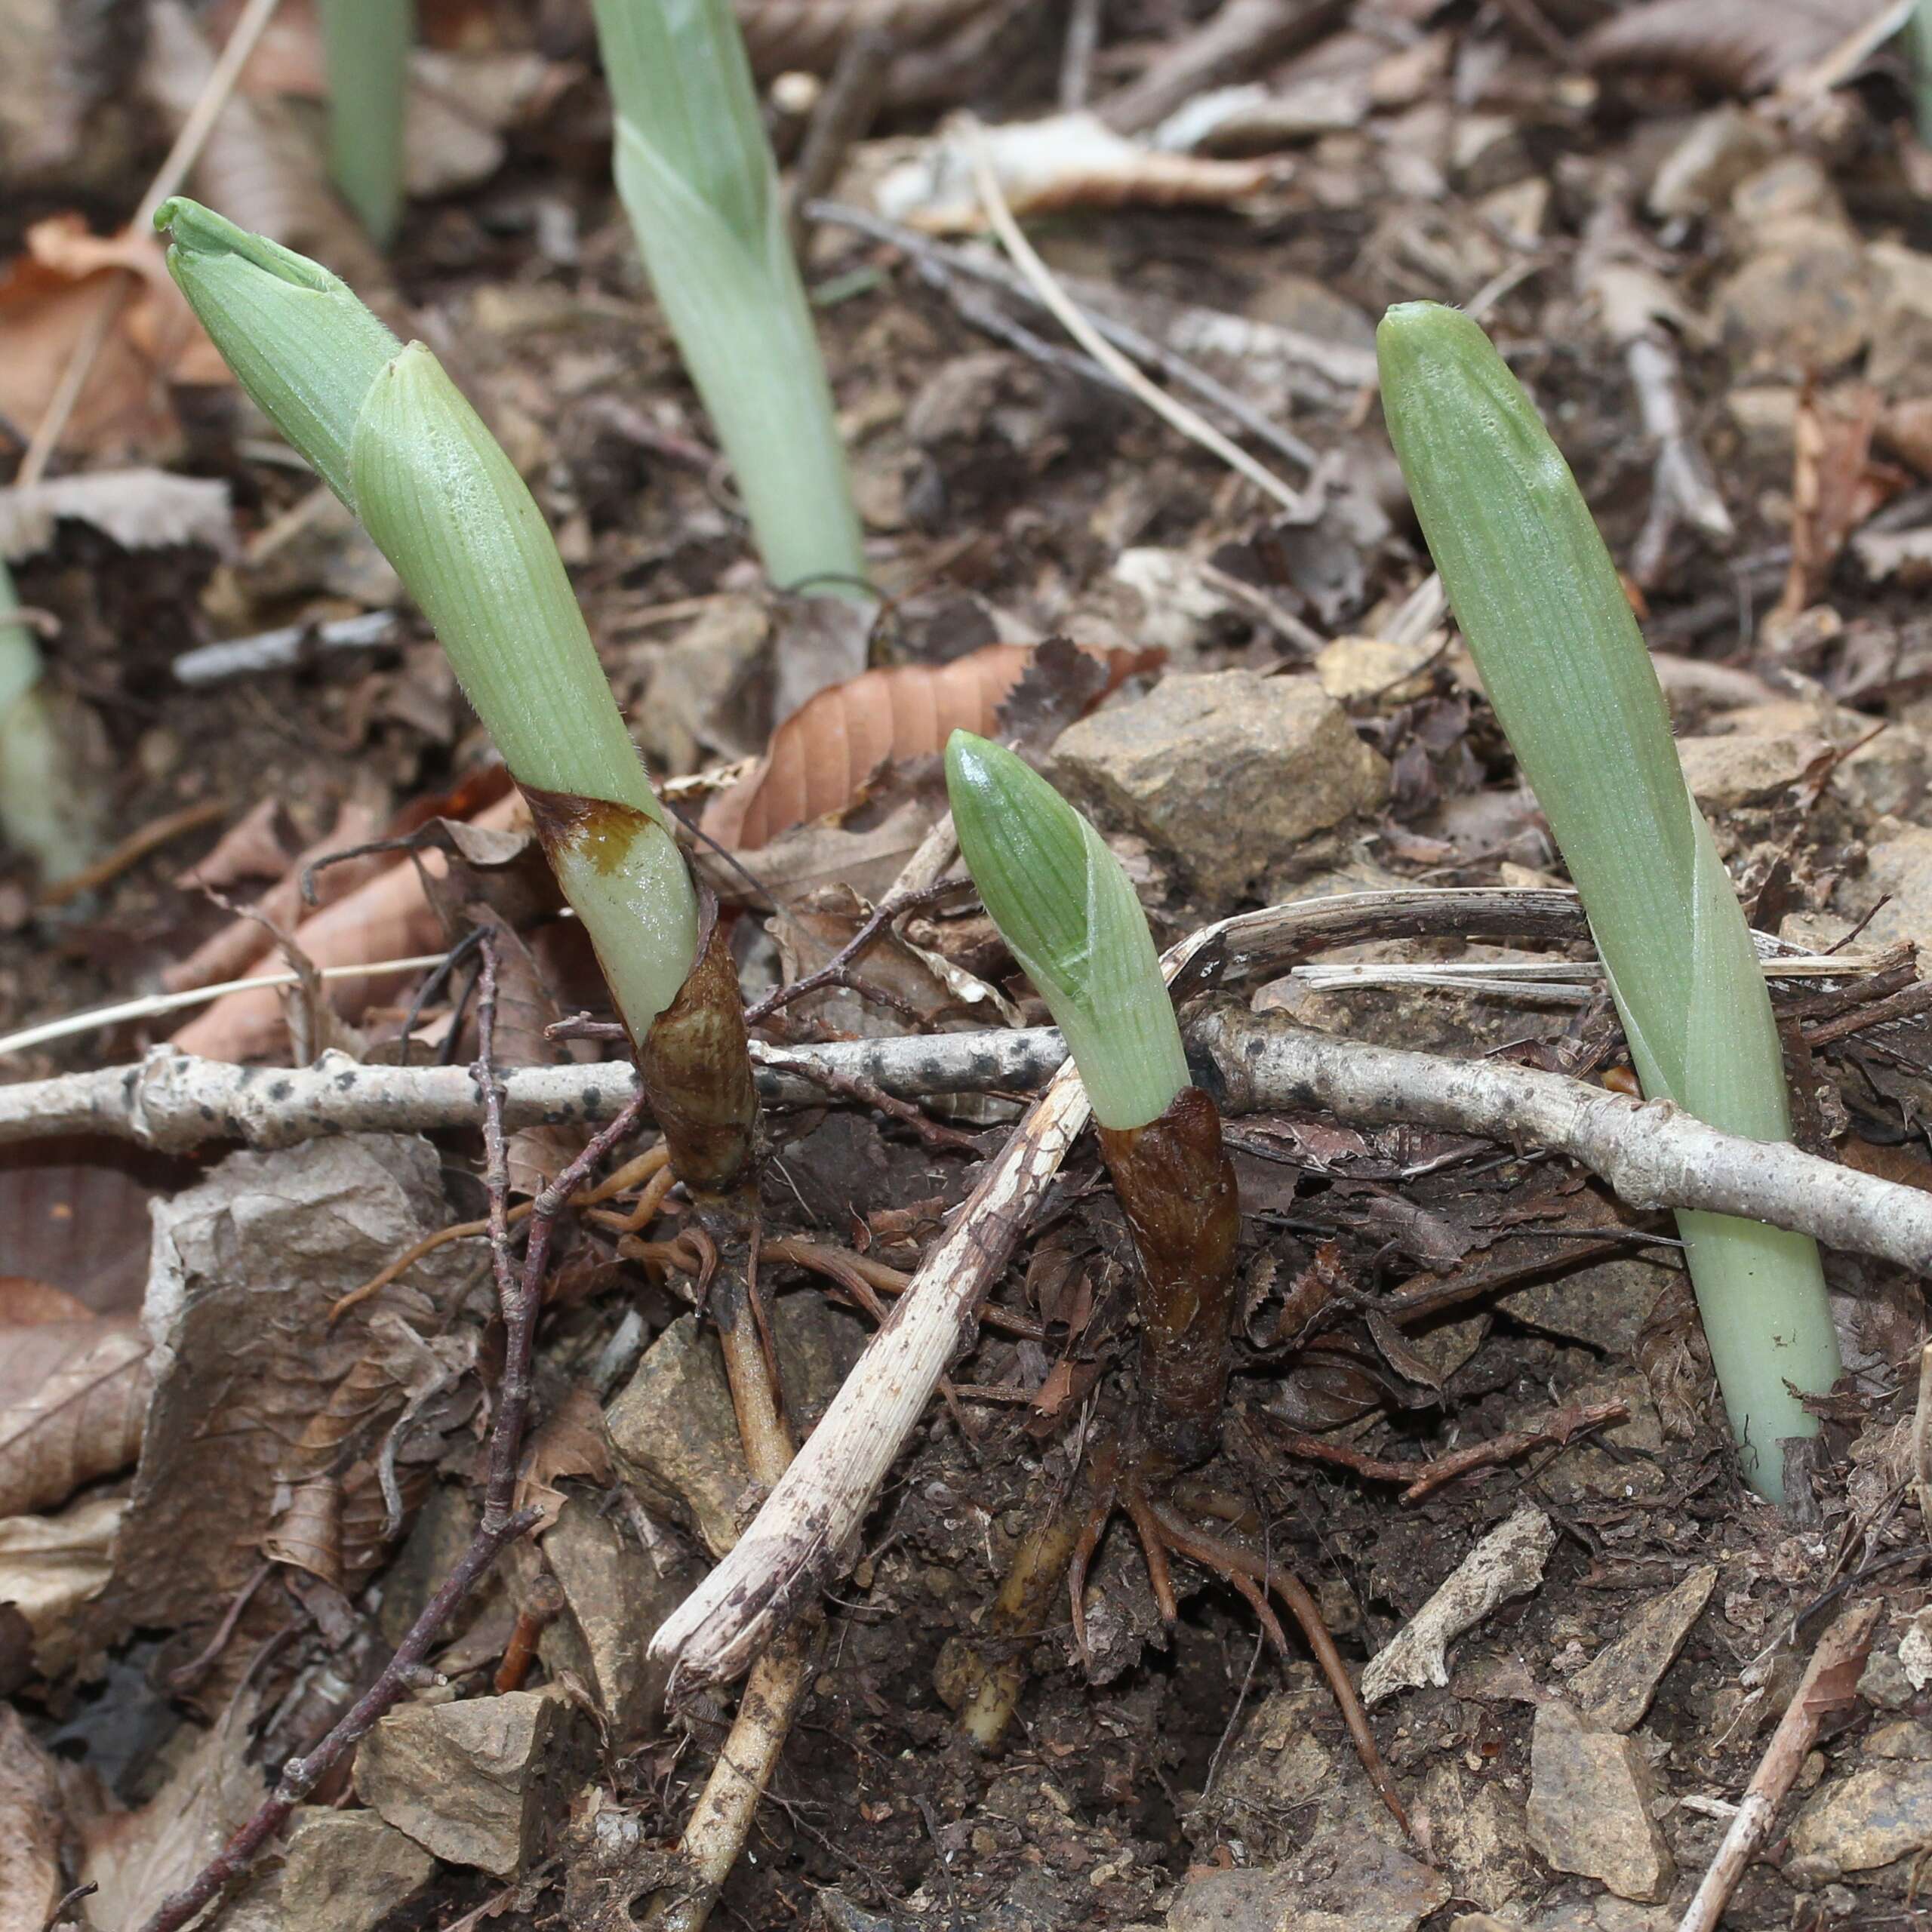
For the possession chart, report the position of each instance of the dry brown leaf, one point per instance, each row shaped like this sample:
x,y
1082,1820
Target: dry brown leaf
x,y
807,34
388,917
50,296
1068,161
820,755
74,1391
32,1822
1836,485
52,1566
571,1441
1742,49
140,508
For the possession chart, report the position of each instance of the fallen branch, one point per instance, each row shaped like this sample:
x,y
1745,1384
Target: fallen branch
x,y
1829,1685
1651,1153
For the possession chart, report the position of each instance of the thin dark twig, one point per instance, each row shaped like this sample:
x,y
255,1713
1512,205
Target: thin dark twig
x,y
520,1303
63,1907
837,971
855,1087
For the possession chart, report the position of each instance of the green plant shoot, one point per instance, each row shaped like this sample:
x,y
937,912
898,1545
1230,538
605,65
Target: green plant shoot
x,y
1068,912
696,177
365,50
392,436
43,812
1539,600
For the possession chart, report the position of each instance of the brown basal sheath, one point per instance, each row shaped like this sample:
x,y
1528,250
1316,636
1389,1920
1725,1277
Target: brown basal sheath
x,y
1177,1187
696,1066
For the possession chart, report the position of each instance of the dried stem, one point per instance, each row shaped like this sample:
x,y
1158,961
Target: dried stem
x,y
1829,1685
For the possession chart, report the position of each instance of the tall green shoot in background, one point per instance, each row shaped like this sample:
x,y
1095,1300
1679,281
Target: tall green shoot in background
x,y
696,176
1544,613
365,50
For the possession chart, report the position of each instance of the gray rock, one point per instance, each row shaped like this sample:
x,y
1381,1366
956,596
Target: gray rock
x,y
615,1593
1801,301
1375,1888
1886,774
1201,755
1359,670
673,1431
1615,1689
1724,773
1879,1814
346,1870
1900,360
471,1781
1604,1306
1590,1811
1899,868
1477,1831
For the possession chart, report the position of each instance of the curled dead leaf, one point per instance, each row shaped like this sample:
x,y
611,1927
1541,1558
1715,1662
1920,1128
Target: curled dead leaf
x,y
53,294
390,917
1068,161
74,1390
33,1824
1739,50
820,756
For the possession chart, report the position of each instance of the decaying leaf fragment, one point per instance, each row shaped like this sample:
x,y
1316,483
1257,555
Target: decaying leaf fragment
x,y
73,1394
1068,161
258,1398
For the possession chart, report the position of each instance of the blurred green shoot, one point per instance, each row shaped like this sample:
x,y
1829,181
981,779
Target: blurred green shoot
x,y
365,48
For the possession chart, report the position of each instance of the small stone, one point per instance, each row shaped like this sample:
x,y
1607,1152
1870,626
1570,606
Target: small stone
x,y
1802,300
1879,1814
615,1593
471,1781
1765,416
674,1433
1900,361
1604,1306
1276,757
1899,869
1903,1739
1356,670
1718,151
1795,186
1376,1889
1915,1650
1477,1831
1615,1689
1886,1685
1725,773
1181,608
347,1871
1591,1795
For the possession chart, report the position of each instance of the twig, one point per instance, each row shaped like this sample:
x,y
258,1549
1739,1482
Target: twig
x,y
280,650
152,1006
1068,314
1076,60
1921,1437
846,110
131,850
521,1301
869,1093
1559,1427
836,971
939,263
1237,40
173,171
1829,1685
1905,1005
1682,486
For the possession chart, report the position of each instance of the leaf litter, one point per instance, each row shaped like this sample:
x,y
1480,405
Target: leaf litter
x,y
224,1509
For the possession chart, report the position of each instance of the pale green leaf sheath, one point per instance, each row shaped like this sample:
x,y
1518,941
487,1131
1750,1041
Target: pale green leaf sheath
x,y
1539,602
1068,912
696,176
393,437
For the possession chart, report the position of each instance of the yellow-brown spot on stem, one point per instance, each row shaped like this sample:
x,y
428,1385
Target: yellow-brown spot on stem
x,y
599,830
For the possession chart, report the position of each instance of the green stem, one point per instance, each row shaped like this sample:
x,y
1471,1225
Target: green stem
x,y
365,44
42,811
696,175
1552,632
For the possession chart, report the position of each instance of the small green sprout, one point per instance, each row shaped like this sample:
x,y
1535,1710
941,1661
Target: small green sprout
x,y
1540,604
43,812
1069,912
392,436
696,176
